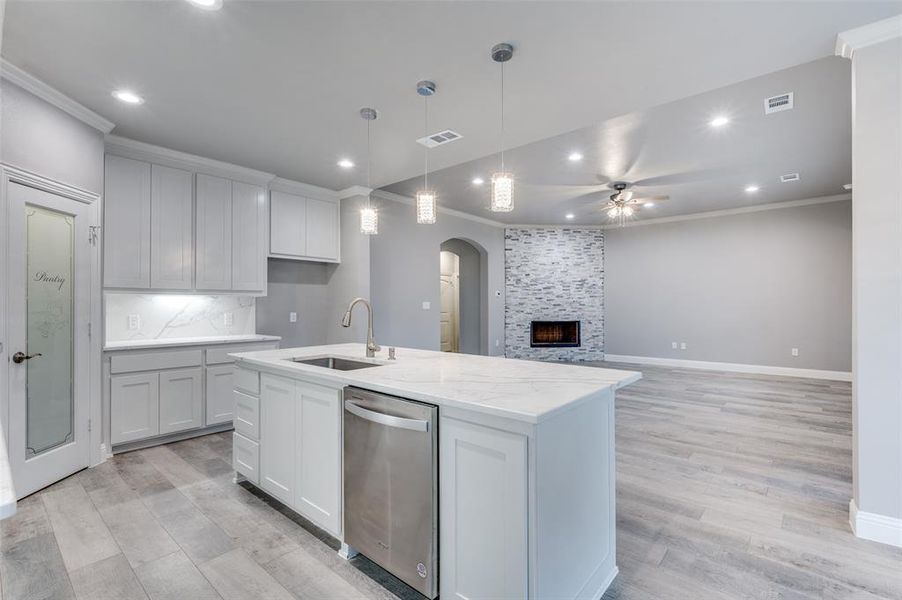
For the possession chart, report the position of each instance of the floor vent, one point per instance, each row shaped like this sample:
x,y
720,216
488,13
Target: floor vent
x,y
437,139
789,177
778,103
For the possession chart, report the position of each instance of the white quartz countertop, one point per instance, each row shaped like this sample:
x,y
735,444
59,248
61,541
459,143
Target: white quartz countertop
x,y
518,389
189,341
7,493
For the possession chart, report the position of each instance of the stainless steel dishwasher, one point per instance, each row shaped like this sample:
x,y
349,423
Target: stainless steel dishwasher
x,y
391,483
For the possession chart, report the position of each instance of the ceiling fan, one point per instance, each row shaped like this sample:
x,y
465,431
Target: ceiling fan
x,y
623,203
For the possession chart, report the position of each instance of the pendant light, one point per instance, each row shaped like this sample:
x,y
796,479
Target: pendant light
x,y
425,197
502,181
369,218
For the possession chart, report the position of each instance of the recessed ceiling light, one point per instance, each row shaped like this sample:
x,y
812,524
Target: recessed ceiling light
x,y
346,164
207,4
569,216
719,121
751,189
649,205
575,157
478,181
128,97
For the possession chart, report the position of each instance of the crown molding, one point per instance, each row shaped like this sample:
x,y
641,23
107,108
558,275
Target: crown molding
x,y
391,196
849,41
733,211
303,189
51,95
354,190
129,148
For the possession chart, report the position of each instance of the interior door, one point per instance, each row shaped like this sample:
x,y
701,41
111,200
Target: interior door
x,y
449,319
49,314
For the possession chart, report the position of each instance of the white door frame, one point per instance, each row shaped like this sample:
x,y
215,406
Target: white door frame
x,y
8,174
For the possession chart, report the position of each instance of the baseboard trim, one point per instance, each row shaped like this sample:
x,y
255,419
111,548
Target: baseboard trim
x,y
731,367
874,527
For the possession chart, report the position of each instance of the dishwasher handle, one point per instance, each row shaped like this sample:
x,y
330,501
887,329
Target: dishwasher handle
x,y
384,419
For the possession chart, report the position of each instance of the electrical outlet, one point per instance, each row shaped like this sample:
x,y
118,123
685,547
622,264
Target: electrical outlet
x,y
795,351
682,345
292,317
134,322
497,343
427,305
228,318
673,345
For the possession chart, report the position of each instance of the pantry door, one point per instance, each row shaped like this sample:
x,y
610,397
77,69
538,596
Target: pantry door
x,y
49,267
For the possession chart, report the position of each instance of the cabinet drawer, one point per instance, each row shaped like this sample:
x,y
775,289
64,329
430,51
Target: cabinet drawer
x,y
220,355
246,457
247,381
155,361
247,415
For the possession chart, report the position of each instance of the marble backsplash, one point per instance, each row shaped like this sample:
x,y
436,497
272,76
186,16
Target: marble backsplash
x,y
161,316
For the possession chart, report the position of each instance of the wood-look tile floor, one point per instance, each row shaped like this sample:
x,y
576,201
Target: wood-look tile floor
x,y
729,486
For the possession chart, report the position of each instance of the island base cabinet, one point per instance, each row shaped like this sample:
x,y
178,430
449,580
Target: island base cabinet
x,y
483,512
277,436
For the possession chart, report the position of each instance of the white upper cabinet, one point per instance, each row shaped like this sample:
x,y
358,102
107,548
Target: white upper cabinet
x,y
213,233
303,228
171,229
248,237
287,224
126,223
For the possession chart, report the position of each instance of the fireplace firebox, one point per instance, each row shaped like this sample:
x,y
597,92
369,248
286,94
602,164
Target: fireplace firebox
x,y
554,334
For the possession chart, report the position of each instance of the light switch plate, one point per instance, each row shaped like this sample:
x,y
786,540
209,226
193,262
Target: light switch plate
x,y
682,345
795,351
292,317
427,305
228,318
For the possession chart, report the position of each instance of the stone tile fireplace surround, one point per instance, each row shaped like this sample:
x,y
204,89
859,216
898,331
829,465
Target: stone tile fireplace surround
x,y
554,274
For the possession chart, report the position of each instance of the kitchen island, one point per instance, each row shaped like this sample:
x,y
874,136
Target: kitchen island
x,y
526,495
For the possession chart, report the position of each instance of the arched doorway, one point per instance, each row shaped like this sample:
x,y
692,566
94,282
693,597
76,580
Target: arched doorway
x,y
462,297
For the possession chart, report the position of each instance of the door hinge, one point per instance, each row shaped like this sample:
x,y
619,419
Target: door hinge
x,y
89,425
89,330
93,232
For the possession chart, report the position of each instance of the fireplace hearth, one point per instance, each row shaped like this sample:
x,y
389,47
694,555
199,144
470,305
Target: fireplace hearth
x,y
554,334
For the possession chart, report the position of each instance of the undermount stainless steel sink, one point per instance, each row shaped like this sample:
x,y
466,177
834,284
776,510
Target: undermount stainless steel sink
x,y
335,362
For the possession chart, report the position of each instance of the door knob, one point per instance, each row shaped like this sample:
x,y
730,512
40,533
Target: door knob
x,y
19,357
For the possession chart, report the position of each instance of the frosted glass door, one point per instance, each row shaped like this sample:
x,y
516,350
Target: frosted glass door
x,y
49,329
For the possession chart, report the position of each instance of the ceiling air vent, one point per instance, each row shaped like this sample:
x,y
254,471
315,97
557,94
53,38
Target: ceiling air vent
x,y
437,139
789,177
778,103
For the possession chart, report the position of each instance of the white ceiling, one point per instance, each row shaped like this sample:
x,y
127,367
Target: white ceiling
x,y
673,150
277,85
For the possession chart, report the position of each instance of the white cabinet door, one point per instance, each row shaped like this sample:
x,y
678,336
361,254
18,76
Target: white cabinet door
x,y
277,436
318,494
287,224
219,399
181,400
134,407
171,229
248,237
483,512
322,229
126,227
213,233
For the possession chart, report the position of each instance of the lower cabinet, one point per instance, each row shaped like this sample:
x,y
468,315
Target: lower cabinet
x,y
135,401
181,400
220,381
483,512
300,448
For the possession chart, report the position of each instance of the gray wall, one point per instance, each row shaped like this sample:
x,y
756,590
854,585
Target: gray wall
x,y
471,292
741,288
877,210
40,138
349,279
301,287
404,268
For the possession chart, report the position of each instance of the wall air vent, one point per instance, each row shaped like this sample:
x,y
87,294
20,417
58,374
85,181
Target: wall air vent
x,y
778,103
789,177
437,139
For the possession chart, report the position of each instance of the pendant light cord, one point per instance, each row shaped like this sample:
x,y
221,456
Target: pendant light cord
x,y
426,152
502,117
369,187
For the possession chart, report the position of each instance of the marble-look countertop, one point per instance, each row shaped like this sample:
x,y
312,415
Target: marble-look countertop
x,y
188,341
7,493
517,389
